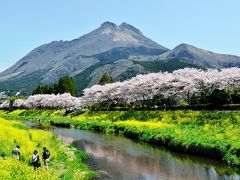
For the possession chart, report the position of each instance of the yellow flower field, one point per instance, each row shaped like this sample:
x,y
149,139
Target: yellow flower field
x,y
64,162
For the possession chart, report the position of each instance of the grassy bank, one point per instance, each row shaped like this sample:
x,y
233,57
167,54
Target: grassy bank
x,y
213,134
65,162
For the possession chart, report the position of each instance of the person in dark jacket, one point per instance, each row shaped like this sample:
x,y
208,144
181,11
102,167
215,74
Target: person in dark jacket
x,y
45,156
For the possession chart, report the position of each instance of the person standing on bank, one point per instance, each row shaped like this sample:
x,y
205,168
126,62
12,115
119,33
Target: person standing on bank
x,y
16,152
35,160
45,156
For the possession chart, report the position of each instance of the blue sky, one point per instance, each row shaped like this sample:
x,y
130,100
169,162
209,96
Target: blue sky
x,y
208,24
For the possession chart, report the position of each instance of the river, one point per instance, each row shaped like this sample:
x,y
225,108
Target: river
x,y
120,158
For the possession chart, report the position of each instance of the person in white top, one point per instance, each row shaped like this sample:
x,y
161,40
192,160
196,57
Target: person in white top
x,y
35,160
16,152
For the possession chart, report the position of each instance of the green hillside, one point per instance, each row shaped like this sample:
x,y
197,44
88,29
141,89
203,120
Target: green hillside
x,y
166,65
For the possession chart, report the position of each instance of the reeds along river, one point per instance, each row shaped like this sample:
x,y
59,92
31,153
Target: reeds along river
x,y
121,158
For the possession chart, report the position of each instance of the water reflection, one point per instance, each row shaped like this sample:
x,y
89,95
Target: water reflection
x,y
121,158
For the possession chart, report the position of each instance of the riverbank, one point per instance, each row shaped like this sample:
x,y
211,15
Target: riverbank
x,y
212,134
65,162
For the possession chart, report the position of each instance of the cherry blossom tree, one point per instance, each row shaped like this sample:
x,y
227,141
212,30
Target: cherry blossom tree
x,y
181,84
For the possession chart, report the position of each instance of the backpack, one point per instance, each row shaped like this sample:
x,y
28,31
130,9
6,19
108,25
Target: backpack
x,y
46,154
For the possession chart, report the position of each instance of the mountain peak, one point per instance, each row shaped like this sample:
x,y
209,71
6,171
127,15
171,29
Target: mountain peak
x,y
108,24
122,26
130,27
185,46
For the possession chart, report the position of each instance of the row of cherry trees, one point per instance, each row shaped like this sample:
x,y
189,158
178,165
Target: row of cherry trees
x,y
190,85
46,101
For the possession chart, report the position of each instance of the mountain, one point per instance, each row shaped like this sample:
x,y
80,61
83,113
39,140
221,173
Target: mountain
x,y
201,57
122,51
59,58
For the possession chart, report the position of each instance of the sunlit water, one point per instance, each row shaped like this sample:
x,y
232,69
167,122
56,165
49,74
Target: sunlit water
x,y
119,158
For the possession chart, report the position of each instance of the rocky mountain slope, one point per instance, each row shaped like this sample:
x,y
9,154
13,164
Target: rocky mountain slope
x,y
201,57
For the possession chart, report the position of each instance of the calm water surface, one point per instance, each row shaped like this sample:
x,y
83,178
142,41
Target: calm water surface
x,y
119,158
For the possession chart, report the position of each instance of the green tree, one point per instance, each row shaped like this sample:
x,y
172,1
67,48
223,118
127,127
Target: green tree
x,y
105,79
38,90
67,84
235,96
219,97
41,90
